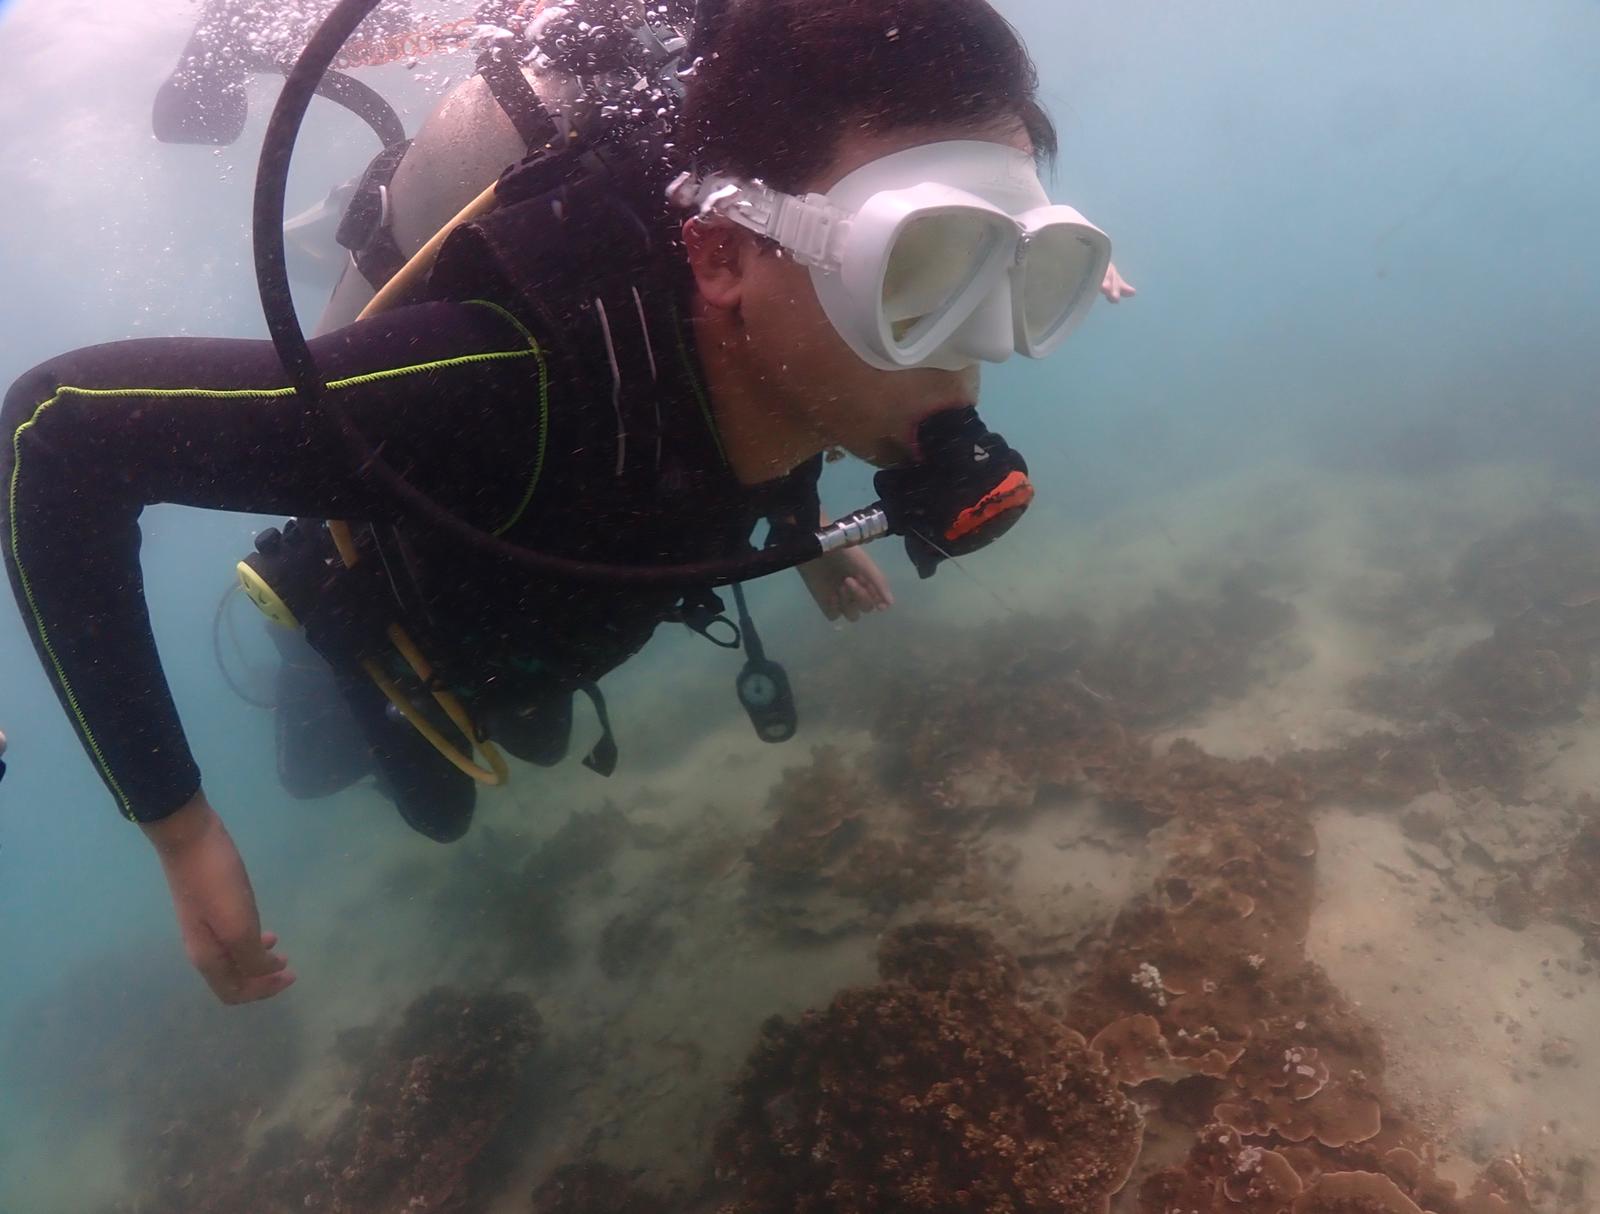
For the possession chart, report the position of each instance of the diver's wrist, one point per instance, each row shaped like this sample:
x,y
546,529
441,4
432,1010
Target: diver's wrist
x,y
192,821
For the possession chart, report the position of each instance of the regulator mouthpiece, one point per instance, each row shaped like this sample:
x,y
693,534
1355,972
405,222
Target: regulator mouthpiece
x,y
969,489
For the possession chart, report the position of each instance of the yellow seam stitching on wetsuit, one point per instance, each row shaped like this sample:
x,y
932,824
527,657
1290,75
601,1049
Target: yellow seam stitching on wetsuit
x,y
169,393
544,413
374,377
33,606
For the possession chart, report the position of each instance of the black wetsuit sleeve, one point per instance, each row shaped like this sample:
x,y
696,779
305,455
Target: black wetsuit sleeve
x,y
453,394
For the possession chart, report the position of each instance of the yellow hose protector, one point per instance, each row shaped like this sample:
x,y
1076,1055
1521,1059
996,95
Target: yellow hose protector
x,y
398,289
395,292
497,772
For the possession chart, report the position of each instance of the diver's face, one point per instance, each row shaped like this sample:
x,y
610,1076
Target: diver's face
x,y
847,402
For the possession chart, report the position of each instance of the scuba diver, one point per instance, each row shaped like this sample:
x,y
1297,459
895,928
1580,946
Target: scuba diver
x,y
800,230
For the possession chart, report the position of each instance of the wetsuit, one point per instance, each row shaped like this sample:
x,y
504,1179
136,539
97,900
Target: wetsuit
x,y
522,432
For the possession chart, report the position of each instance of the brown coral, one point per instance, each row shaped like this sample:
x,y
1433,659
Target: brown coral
x,y
1188,782
842,853
118,1037
886,873
820,810
1550,561
937,956
903,1096
1262,1181
1354,1193
634,943
1046,705
992,739
1134,1051
593,1188
585,844
1223,1174
1176,655
1521,676
1574,894
1382,768
430,1107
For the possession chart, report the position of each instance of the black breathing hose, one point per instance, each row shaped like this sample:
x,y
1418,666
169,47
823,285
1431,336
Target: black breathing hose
x,y
366,104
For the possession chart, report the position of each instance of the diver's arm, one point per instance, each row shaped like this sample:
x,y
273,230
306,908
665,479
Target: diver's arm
x,y
216,906
449,391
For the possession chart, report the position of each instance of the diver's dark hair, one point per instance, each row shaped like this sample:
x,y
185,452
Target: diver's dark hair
x,y
781,81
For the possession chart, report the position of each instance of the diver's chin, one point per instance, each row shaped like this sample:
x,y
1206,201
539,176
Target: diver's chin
x,y
905,449
891,453
910,442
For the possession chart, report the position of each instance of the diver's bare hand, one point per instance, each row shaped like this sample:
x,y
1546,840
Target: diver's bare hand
x,y
847,583
1115,287
216,907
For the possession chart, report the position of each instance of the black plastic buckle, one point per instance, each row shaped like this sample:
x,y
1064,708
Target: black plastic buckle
x,y
701,611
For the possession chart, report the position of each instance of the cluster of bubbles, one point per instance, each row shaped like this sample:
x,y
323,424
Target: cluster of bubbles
x,y
628,58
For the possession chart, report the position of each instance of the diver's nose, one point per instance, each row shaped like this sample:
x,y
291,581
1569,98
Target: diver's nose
x,y
990,335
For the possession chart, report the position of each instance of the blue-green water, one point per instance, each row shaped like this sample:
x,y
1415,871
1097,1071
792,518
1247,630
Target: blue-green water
x,y
1369,283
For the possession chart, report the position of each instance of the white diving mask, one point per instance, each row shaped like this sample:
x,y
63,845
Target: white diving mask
x,y
941,256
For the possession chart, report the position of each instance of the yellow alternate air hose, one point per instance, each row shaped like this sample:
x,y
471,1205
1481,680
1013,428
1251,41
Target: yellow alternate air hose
x,y
396,292
497,772
407,277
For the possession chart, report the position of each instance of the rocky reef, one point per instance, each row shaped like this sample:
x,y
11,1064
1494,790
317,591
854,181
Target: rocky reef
x,y
1177,654
843,852
1050,703
588,1187
430,1105
125,1042
428,1108
1537,584
939,1089
976,1075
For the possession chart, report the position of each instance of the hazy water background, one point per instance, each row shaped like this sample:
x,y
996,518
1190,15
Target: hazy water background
x,y
1363,235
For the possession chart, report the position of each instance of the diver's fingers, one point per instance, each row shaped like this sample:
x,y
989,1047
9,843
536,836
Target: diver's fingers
x,y
878,587
1115,287
254,960
276,964
247,975
853,598
264,986
871,590
276,961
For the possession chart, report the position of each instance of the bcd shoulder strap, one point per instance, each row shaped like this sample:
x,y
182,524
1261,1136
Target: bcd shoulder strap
x,y
501,69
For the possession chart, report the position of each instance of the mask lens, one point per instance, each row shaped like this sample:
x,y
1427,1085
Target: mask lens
x,y
1057,271
934,261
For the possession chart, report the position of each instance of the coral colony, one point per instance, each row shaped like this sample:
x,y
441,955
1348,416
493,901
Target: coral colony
x,y
1183,1057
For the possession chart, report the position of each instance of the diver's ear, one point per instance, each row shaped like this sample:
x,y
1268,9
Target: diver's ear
x,y
716,255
